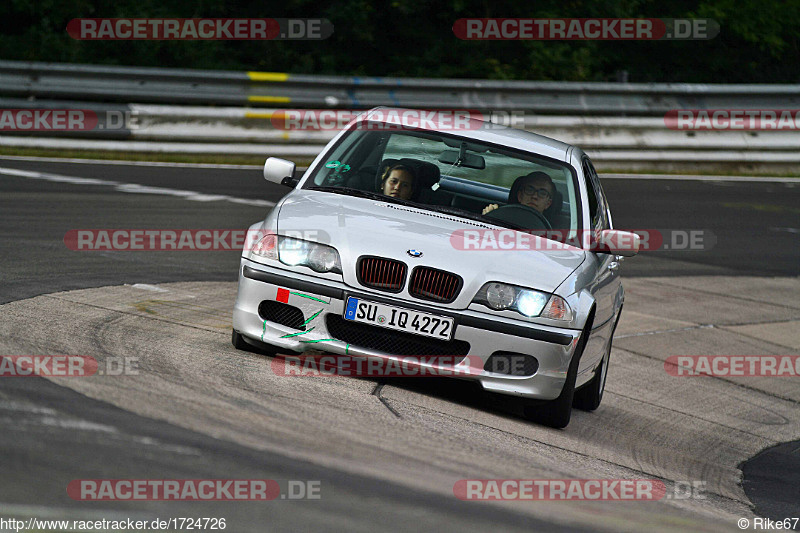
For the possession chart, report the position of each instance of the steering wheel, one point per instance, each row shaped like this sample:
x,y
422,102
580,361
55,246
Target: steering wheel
x,y
522,215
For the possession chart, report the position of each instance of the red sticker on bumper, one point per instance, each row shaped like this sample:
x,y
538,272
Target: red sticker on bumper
x,y
283,296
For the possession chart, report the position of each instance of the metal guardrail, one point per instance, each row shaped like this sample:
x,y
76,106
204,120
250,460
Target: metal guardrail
x,y
621,125
184,86
229,125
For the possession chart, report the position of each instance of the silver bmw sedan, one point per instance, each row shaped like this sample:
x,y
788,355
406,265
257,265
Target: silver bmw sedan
x,y
449,244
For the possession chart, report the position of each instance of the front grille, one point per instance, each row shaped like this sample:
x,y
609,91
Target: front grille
x,y
284,314
381,273
392,342
432,284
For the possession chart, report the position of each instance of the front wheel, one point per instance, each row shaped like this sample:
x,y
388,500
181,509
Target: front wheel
x,y
237,339
557,413
240,343
588,397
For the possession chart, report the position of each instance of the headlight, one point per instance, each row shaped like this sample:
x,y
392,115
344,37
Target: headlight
x,y
531,303
296,252
500,295
323,259
527,302
293,252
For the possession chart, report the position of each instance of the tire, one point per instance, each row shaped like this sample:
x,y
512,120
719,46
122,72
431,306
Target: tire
x,y
557,413
588,397
240,343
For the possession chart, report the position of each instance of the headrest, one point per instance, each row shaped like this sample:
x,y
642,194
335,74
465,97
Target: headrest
x,y
555,208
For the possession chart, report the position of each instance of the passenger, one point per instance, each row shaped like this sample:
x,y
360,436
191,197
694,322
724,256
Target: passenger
x,y
399,181
535,190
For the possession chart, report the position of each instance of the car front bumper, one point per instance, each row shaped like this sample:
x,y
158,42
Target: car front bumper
x,y
552,347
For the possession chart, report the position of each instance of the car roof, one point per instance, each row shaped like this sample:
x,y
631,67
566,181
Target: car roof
x,y
478,129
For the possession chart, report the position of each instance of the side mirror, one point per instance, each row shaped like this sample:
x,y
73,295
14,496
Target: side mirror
x,y
280,171
613,241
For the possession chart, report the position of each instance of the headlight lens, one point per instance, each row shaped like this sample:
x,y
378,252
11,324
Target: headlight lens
x,y
500,295
293,252
323,259
527,302
296,252
531,303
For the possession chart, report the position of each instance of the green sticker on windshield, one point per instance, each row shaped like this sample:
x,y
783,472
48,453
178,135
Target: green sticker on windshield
x,y
336,177
338,165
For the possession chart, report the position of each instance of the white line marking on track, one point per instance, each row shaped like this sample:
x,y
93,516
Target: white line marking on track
x,y
698,177
146,287
677,177
43,512
67,423
54,177
26,408
131,163
134,188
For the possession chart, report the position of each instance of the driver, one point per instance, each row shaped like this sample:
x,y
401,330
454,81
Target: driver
x,y
534,190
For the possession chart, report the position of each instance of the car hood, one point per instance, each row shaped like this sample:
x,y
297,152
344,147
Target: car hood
x,y
359,226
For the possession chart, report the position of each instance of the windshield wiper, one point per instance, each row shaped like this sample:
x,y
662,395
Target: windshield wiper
x,y
346,190
456,211
349,191
474,216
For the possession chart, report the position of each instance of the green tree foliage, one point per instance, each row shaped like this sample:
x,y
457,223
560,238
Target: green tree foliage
x,y
758,41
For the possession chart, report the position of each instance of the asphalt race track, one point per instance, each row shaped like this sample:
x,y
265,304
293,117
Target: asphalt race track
x,y
385,454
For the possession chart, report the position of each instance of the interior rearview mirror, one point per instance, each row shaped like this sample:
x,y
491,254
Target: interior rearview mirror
x,y
453,157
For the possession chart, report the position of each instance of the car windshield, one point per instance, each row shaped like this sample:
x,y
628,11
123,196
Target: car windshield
x,y
454,175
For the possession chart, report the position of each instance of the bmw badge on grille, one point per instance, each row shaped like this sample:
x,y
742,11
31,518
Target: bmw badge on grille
x,y
414,253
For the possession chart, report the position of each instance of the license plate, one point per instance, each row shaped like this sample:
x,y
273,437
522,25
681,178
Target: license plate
x,y
399,319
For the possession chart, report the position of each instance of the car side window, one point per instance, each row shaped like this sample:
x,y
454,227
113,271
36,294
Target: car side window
x,y
598,206
590,192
